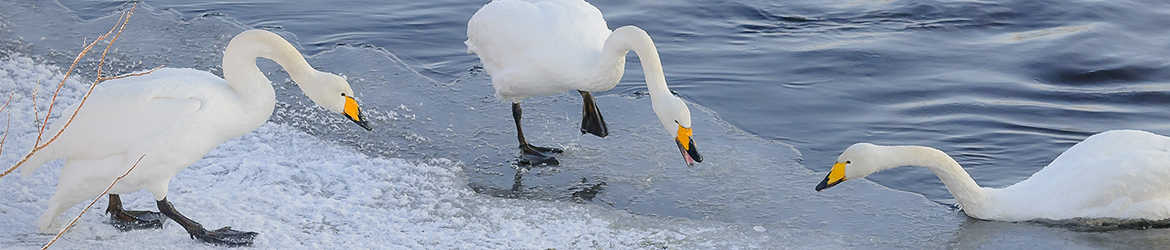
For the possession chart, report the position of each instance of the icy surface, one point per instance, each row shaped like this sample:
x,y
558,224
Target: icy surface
x,y
301,192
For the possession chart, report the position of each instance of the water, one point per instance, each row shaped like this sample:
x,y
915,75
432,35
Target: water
x,y
1003,87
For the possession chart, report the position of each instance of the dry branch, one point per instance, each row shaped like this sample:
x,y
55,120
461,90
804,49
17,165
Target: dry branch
x,y
91,203
8,122
37,146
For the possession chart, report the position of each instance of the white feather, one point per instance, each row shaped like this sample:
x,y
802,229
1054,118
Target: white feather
x,y
172,117
1122,174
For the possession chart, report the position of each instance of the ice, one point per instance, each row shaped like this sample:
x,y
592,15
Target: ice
x,y
301,192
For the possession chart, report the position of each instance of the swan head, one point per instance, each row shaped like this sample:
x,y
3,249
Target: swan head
x,y
858,161
676,118
333,92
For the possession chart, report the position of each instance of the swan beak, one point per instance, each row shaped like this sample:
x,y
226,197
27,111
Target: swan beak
x,y
687,146
354,113
836,176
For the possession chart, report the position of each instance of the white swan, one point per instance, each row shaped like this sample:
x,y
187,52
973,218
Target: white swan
x,y
545,47
1122,174
174,117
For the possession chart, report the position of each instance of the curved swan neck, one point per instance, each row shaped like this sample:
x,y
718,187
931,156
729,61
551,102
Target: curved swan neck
x,y
241,72
958,182
627,38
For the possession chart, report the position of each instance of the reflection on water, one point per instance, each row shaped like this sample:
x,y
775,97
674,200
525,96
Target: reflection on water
x,y
1104,224
581,192
1073,234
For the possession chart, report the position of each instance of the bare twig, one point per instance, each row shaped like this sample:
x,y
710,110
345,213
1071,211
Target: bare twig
x,y
8,122
120,26
121,22
132,74
93,202
36,112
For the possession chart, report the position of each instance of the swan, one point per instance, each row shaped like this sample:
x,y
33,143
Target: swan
x,y
1123,174
172,118
546,47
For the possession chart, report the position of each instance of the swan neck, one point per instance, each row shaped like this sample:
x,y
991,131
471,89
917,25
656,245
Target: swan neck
x,y
241,72
627,38
958,182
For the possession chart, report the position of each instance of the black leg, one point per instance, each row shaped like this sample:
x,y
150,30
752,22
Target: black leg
x,y
131,220
532,155
591,120
222,236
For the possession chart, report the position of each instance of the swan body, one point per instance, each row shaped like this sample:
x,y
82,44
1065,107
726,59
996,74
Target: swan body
x,y
172,118
546,47
1123,174
533,48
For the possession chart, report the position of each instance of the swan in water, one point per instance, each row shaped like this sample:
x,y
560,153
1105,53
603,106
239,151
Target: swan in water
x,y
546,47
1123,174
172,118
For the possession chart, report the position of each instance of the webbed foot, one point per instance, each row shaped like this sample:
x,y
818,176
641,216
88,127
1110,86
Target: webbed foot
x,y
226,236
535,156
591,120
133,220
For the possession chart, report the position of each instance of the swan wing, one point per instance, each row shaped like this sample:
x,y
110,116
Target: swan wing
x,y
1104,145
527,45
1120,174
122,114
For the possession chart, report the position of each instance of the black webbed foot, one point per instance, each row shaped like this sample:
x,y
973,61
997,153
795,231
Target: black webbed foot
x,y
535,156
591,120
133,220
223,236
226,236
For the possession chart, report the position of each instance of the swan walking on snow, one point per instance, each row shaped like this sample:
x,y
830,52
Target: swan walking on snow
x,y
546,47
174,117
1123,174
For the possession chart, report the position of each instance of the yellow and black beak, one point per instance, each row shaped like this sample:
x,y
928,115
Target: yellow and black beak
x,y
687,146
836,176
354,113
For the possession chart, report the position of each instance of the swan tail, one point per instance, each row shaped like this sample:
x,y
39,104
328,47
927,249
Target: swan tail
x,y
471,48
32,161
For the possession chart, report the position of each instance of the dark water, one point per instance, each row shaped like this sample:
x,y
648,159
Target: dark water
x,y
1002,86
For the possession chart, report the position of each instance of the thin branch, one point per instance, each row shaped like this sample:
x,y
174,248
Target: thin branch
x,y
132,74
91,203
36,112
52,103
120,26
8,122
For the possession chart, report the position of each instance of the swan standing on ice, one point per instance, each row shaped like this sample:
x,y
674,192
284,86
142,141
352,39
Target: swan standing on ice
x,y
1123,174
546,47
174,117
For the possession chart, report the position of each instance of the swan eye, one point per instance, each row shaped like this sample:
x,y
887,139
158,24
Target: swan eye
x,y
342,94
848,162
